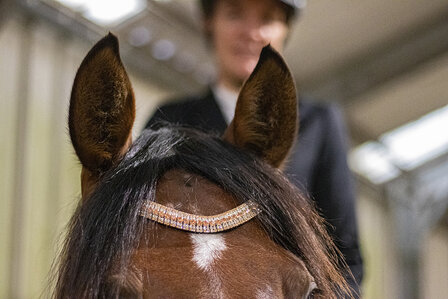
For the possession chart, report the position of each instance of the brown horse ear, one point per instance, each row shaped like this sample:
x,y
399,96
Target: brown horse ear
x,y
102,108
265,121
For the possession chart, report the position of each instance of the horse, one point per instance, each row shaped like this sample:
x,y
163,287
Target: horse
x,y
180,213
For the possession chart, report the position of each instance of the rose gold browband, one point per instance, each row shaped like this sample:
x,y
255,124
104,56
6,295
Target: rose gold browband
x,y
200,224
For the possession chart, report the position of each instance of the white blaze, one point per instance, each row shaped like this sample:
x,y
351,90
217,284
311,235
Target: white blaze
x,y
206,249
267,293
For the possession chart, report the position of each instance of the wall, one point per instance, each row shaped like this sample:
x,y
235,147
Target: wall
x,y
39,173
381,255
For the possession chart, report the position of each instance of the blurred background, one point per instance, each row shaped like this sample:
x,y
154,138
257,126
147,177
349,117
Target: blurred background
x,y
385,62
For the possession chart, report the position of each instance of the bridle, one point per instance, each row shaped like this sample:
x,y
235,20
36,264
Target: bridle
x,y
198,223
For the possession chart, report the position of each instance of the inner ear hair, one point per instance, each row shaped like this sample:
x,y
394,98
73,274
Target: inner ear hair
x,y
265,121
102,108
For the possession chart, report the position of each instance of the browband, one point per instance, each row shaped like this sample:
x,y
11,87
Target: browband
x,y
200,224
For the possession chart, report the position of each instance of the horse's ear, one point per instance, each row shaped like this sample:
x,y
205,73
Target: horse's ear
x,y
102,108
265,121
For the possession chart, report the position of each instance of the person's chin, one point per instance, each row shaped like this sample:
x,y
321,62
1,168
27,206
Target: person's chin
x,y
242,68
248,67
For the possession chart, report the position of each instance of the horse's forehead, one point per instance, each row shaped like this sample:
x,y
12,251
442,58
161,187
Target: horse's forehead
x,y
194,264
183,178
192,193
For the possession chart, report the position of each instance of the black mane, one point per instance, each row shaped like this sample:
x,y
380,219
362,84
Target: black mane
x,y
106,227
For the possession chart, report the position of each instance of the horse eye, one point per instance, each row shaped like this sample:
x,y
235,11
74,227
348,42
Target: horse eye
x,y
312,290
311,295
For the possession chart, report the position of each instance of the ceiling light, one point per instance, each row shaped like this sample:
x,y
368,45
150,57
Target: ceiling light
x,y
420,141
105,12
139,36
163,49
403,148
372,161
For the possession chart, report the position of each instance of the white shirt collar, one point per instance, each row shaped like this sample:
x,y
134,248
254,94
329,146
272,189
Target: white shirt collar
x,y
226,100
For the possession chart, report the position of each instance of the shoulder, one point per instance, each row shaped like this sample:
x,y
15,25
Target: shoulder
x,y
320,112
326,122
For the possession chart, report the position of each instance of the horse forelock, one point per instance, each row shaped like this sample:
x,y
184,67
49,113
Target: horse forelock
x,y
106,229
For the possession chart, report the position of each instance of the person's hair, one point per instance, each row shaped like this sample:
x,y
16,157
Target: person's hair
x,y
208,9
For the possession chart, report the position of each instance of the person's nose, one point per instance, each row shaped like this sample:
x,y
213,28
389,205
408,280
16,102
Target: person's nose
x,y
256,31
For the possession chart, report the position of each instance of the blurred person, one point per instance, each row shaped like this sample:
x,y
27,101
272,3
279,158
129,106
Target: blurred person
x,y
236,31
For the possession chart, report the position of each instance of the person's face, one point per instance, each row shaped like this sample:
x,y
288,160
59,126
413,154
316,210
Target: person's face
x,y
239,30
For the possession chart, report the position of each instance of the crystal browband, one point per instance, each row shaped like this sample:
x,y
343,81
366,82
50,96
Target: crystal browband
x,y
200,224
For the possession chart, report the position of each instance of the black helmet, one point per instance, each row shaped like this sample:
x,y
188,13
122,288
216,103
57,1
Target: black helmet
x,y
292,7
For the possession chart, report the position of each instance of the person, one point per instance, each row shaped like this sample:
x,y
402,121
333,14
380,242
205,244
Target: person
x,y
236,31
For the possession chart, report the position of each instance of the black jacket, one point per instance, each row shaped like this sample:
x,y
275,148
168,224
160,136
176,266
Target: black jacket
x,y
317,165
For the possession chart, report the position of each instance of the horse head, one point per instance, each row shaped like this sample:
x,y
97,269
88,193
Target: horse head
x,y
180,213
